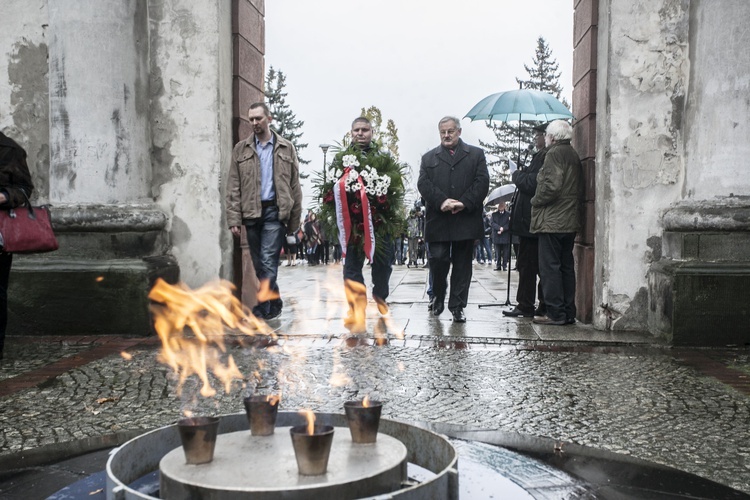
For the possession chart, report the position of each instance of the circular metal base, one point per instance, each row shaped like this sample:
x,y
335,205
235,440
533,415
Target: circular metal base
x,y
425,449
264,467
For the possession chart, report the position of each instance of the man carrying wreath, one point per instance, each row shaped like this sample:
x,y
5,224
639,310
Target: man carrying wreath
x,y
363,205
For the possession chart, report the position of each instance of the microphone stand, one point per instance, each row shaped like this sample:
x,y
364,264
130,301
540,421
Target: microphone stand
x,y
510,233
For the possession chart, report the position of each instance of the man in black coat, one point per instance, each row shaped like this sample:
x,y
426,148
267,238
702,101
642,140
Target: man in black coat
x,y
501,236
527,260
453,181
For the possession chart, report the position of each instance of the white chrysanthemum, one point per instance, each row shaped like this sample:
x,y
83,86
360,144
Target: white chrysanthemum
x,y
350,161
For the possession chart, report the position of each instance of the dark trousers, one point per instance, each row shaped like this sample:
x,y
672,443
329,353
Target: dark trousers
x,y
527,262
443,254
502,255
265,236
557,270
382,267
6,259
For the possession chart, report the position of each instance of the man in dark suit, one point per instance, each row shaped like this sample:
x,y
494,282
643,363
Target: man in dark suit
x,y
453,181
501,236
527,260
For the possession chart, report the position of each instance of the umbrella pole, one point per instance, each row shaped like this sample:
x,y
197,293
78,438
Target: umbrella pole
x,y
507,297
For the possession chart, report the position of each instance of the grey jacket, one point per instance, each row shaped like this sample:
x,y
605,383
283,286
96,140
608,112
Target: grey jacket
x,y
556,206
243,185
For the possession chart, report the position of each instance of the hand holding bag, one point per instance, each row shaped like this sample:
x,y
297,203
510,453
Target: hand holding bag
x,y
26,229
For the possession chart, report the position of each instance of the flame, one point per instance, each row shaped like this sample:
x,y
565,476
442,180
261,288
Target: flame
x,y
126,355
356,296
310,416
273,399
265,293
366,402
99,279
191,326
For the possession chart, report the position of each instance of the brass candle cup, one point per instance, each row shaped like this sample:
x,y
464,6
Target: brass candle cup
x,y
363,420
198,436
312,450
261,414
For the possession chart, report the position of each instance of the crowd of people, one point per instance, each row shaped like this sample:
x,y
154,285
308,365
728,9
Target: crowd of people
x,y
360,219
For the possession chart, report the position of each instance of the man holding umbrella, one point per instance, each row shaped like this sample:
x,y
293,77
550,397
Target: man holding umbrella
x,y
453,181
527,260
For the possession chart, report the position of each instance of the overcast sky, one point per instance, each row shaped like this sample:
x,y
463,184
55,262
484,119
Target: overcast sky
x,y
417,60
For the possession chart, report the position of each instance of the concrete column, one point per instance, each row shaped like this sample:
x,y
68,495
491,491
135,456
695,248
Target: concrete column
x,y
98,78
113,239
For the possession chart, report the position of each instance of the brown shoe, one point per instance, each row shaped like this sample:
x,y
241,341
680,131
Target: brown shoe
x,y
546,320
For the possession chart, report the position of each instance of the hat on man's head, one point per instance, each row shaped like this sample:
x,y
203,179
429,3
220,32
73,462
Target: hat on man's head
x,y
541,128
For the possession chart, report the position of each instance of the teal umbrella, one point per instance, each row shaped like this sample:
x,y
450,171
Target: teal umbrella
x,y
519,105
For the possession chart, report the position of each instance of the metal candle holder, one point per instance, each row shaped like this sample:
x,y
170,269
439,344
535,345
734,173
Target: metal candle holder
x,y
363,420
312,450
261,414
198,436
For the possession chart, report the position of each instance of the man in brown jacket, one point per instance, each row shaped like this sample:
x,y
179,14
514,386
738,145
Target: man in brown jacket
x,y
555,218
264,195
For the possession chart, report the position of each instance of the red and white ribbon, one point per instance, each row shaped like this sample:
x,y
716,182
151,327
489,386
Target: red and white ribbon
x,y
344,219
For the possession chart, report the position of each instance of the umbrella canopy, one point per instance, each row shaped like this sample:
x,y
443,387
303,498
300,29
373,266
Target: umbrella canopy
x,y
501,194
519,105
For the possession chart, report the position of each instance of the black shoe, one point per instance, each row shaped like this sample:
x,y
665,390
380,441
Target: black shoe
x,y
438,307
540,311
431,304
517,313
498,269
570,321
259,313
273,313
458,315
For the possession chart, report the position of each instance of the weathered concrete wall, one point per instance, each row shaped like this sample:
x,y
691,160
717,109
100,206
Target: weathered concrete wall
x,y
190,114
673,119
717,116
98,86
24,99
643,80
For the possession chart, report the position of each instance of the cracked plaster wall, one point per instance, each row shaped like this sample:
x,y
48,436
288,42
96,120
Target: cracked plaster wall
x,y
191,96
24,99
672,124
643,78
177,149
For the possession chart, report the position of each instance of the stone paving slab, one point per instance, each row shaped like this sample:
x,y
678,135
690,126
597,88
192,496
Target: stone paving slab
x,y
623,393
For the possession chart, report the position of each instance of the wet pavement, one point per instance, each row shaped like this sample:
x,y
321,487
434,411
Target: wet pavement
x,y
571,387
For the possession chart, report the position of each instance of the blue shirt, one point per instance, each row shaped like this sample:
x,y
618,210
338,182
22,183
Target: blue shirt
x,y
265,155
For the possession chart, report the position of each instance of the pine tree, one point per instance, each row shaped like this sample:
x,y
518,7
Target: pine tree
x,y
284,120
543,76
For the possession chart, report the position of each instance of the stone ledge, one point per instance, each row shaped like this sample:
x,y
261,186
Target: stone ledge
x,y
107,218
730,213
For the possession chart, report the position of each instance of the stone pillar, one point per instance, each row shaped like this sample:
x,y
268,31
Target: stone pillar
x,y
248,77
112,240
585,37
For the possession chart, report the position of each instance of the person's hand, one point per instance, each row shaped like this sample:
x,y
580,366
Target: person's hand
x,y
457,207
3,198
235,230
500,231
447,205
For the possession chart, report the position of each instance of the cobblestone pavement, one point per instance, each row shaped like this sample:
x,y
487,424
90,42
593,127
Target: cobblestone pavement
x,y
625,393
